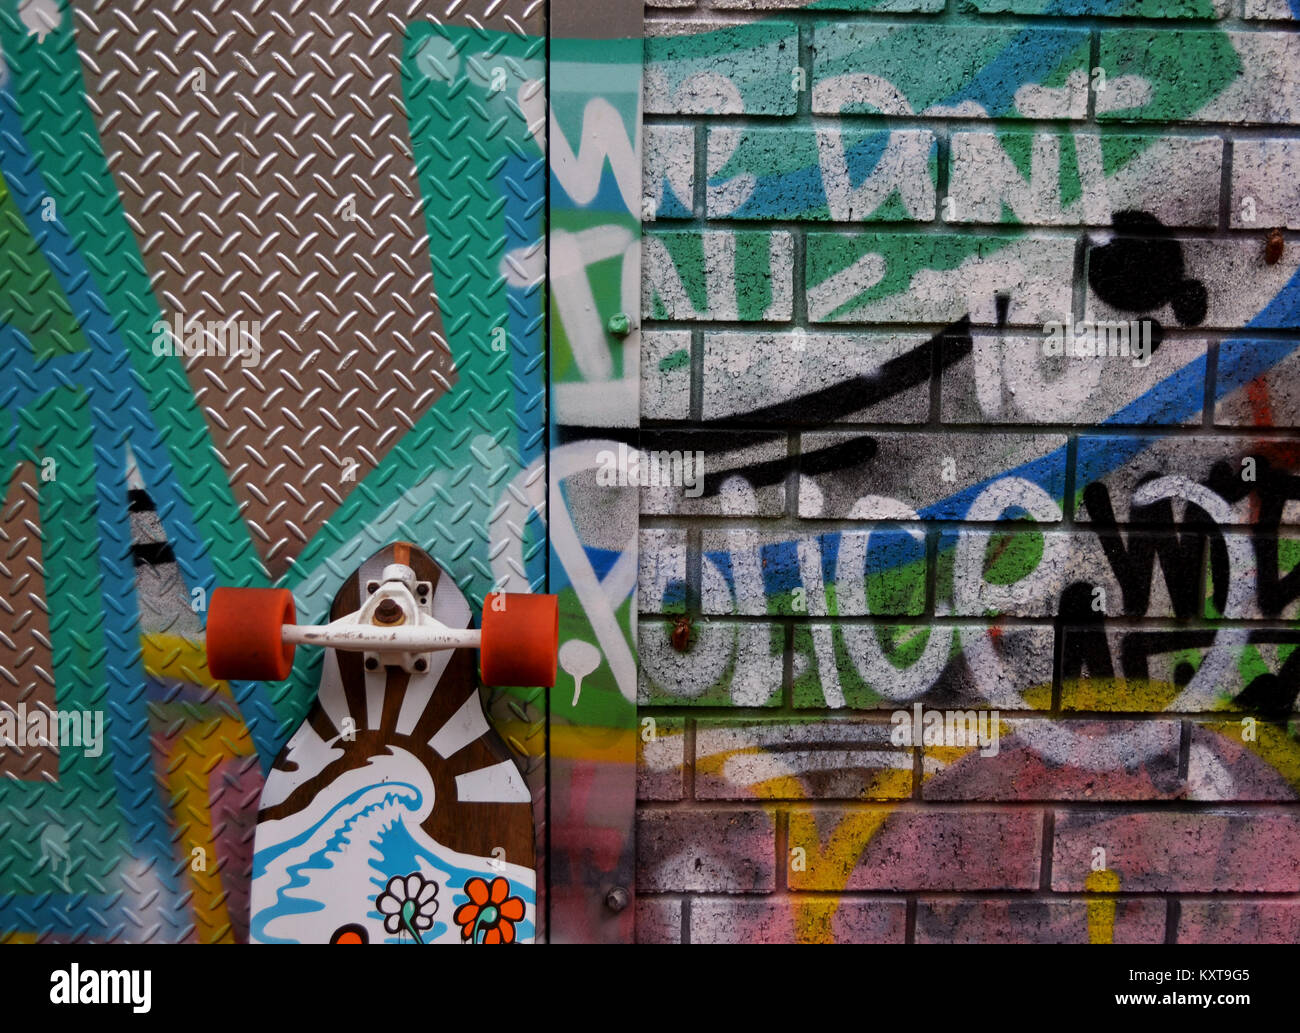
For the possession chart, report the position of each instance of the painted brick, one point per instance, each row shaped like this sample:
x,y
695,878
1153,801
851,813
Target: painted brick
x,y
732,473
717,274
601,494
665,374
1126,920
1239,921
728,663
1043,573
1258,383
714,472
658,920
1255,598
661,577
1039,179
1185,669
705,851
1117,469
940,70
1173,76
661,762
1178,852
797,919
668,172
881,476
1265,184
782,573
889,666
1014,573
1191,283
840,175
1230,759
1011,380
927,278
881,848
1194,9
808,378
878,347
815,760
1060,760
701,68
874,6
1182,9
1268,10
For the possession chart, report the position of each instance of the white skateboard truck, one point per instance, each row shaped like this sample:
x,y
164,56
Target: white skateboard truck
x,y
252,633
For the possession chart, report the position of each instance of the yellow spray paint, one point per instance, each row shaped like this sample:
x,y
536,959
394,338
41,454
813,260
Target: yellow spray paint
x,y
1101,911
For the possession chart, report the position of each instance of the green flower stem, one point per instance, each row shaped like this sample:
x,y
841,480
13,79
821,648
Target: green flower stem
x,y
408,920
488,916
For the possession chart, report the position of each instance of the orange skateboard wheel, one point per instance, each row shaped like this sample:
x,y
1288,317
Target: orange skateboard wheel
x,y
521,638
244,638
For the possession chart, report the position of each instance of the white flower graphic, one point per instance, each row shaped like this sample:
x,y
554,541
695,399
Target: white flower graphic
x,y
408,903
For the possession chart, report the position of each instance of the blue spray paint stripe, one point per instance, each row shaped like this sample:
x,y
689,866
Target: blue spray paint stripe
x,y
525,228
1250,359
609,198
74,276
32,380
1175,397
173,511
670,205
1105,8
61,914
109,379
800,191
142,801
1030,57
77,283
1026,60
136,798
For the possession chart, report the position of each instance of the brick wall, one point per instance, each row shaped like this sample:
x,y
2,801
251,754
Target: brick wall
x,y
861,221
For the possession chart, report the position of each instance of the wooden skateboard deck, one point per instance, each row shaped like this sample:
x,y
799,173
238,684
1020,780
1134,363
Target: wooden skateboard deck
x,y
395,813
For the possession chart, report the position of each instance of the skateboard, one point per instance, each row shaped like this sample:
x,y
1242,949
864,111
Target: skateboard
x,y
395,813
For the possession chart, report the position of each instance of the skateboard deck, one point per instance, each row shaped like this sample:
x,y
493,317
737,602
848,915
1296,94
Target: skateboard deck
x,y
395,813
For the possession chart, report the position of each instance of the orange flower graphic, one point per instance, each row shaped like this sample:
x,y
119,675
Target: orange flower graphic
x,y
490,911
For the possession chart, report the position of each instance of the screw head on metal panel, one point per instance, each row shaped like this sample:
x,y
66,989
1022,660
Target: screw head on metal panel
x,y
617,899
619,325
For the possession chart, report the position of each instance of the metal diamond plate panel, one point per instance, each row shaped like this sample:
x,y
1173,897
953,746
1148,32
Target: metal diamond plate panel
x,y
270,297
